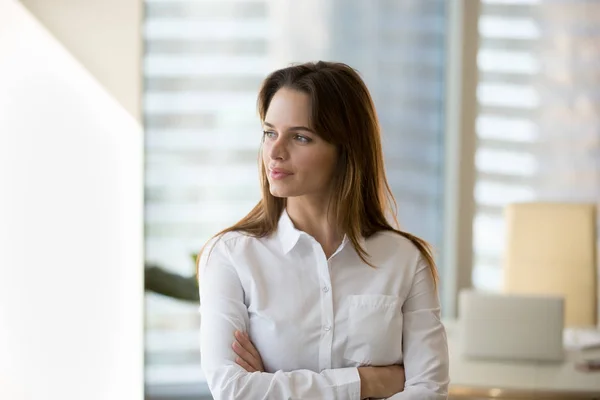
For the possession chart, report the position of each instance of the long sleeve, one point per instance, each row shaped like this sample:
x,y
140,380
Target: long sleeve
x,y
425,344
223,311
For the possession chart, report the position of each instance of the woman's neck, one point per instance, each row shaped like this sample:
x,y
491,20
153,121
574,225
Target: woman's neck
x,y
313,217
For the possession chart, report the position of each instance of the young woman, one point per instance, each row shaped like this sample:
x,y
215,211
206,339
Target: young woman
x,y
314,295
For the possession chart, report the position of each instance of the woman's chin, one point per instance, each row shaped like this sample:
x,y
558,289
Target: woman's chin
x,y
278,191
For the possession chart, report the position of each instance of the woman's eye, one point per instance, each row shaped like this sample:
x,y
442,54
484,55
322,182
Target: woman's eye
x,y
269,134
302,139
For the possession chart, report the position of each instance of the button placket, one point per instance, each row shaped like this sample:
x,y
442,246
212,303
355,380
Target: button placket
x,y
326,303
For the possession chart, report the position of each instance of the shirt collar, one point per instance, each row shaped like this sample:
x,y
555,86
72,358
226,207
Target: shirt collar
x,y
287,232
289,235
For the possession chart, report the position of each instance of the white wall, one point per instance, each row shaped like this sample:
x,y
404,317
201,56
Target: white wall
x,y
105,36
71,225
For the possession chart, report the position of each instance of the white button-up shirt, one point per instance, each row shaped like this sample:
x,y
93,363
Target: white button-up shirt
x,y
315,320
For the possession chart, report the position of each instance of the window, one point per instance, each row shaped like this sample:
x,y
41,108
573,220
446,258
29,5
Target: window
x,y
203,66
538,124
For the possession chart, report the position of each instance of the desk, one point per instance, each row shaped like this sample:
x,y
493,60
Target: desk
x,y
478,379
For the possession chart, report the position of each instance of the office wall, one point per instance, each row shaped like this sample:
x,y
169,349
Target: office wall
x,y
71,225
105,36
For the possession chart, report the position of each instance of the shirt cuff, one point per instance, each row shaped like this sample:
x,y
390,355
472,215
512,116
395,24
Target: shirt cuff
x,y
347,381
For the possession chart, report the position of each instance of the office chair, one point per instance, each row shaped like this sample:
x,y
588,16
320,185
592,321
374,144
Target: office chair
x,y
551,249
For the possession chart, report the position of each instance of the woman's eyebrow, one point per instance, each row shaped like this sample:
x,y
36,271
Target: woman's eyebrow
x,y
293,128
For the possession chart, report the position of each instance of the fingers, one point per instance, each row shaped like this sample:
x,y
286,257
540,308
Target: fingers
x,y
244,365
244,341
247,354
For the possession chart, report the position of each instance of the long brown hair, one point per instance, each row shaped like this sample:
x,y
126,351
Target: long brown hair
x,y
343,114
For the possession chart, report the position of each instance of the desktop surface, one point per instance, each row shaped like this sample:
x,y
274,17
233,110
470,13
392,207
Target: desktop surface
x,y
470,378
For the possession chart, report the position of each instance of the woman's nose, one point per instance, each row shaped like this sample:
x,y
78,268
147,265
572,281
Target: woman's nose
x,y
278,150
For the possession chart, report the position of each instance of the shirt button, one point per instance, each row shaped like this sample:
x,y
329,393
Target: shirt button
x,y
327,328
326,289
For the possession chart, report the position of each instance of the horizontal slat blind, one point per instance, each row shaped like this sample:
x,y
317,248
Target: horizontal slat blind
x,y
538,124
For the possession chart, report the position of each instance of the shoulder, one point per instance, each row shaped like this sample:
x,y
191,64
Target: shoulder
x,y
392,243
406,255
231,250
222,242
231,238
234,242
217,251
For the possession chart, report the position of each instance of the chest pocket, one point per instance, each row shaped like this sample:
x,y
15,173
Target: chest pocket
x,y
375,330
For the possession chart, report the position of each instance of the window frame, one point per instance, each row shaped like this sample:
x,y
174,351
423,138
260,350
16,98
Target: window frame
x,y
461,143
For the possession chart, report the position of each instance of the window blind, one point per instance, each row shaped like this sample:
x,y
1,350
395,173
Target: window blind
x,y
538,124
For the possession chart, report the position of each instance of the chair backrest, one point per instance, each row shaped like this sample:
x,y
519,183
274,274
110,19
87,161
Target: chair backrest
x,y
551,249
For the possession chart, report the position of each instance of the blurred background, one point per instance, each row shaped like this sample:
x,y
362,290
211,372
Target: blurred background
x,y
482,104
525,90
203,65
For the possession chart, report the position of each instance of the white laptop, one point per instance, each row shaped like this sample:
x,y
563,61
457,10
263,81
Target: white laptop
x,y
511,327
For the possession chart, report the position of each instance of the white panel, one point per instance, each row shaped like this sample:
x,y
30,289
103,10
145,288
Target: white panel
x,y
71,236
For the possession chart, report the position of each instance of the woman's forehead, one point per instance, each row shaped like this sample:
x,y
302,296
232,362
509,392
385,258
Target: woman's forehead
x,y
289,107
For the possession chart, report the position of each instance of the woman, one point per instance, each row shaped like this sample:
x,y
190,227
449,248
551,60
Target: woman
x,y
314,295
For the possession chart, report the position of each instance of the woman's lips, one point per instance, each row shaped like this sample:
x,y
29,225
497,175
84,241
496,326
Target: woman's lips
x,y
278,174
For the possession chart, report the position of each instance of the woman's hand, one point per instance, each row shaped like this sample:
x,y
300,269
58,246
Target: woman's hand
x,y
248,357
381,382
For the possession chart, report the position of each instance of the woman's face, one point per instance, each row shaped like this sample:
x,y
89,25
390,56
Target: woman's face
x,y
297,161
